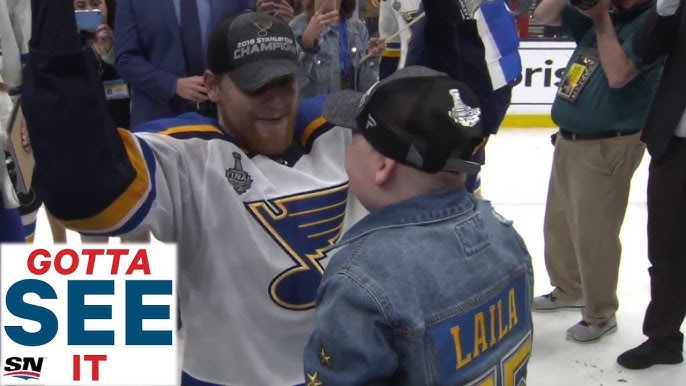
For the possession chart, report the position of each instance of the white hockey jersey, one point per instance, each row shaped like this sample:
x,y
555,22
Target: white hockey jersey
x,y
393,16
15,31
250,231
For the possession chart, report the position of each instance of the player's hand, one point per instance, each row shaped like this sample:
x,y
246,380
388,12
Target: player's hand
x,y
24,134
283,10
266,6
318,23
191,88
376,47
103,40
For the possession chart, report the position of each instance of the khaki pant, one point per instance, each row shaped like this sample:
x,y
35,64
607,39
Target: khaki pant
x,y
587,199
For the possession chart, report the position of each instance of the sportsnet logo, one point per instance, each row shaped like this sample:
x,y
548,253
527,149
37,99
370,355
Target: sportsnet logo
x,y
101,315
23,368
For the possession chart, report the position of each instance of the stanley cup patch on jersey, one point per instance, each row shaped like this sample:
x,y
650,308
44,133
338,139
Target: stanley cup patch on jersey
x,y
303,225
237,177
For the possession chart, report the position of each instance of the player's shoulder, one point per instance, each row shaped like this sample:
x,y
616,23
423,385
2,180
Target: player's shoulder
x,y
309,123
186,126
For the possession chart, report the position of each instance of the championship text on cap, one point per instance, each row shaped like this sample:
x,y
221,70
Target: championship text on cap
x,y
94,315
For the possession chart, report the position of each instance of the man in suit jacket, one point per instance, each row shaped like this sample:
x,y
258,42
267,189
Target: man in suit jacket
x,y
664,33
162,57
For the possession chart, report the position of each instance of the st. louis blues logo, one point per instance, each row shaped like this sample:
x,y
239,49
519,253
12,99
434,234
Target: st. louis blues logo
x,y
409,16
303,225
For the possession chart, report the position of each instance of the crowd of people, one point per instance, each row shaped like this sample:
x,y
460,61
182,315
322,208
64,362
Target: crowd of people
x,y
322,183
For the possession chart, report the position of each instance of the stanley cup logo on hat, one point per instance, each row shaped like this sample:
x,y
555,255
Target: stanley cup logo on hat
x,y
239,178
462,114
263,26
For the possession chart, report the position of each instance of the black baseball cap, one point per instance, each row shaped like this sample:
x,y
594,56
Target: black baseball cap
x,y
253,48
417,116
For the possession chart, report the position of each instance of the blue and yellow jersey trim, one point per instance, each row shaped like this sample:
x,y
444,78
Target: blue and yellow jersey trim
x,y
186,126
310,124
129,209
392,50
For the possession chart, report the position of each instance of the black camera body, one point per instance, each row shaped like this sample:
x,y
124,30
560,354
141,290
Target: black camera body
x,y
584,5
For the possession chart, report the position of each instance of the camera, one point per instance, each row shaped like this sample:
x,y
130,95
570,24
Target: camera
x,y
584,5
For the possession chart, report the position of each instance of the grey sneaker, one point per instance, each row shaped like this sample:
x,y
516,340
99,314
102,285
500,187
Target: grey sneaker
x,y
583,332
550,303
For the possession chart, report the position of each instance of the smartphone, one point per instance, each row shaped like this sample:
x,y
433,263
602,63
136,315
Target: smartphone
x,y
88,20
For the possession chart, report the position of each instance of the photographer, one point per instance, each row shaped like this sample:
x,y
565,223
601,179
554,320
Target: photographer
x,y
600,107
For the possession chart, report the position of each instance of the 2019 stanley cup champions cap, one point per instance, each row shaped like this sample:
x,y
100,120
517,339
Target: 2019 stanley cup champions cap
x,y
417,116
253,48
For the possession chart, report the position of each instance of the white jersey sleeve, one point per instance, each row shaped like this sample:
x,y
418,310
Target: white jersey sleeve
x,y
15,31
394,16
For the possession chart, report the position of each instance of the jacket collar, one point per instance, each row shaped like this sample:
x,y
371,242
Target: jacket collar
x,y
428,208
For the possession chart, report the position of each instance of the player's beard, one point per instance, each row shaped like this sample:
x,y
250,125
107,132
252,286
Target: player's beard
x,y
262,136
273,138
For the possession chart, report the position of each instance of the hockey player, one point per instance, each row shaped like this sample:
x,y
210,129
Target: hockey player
x,y
10,222
14,27
394,16
475,42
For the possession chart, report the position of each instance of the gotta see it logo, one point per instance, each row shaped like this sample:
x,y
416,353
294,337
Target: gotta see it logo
x,y
24,368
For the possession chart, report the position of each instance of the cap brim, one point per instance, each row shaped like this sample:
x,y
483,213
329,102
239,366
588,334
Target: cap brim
x,y
253,76
341,108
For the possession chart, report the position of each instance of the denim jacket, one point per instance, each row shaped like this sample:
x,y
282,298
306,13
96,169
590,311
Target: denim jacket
x,y
324,66
435,290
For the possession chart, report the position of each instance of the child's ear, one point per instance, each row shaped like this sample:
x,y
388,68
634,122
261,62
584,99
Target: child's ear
x,y
385,171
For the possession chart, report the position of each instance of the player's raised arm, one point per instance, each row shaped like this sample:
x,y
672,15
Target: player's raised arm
x,y
81,165
92,176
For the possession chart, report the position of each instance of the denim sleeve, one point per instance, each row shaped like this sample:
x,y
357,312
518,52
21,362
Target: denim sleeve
x,y
305,58
352,341
369,70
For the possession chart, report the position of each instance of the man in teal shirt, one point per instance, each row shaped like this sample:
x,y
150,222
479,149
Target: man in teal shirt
x,y
600,107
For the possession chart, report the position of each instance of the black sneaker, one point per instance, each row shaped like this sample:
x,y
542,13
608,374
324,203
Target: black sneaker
x,y
648,354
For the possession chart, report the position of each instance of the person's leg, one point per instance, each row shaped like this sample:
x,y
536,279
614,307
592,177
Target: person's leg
x,y
560,256
59,232
667,255
598,198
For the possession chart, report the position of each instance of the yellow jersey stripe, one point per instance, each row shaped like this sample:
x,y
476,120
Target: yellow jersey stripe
x,y
191,129
391,53
311,128
122,207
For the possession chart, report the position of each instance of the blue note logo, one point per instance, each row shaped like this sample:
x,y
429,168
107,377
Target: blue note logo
x,y
303,225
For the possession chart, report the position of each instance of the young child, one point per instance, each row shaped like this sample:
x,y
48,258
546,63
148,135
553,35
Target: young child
x,y
433,286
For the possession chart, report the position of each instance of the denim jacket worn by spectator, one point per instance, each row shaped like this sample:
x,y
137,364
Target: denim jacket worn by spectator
x,y
435,290
323,64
